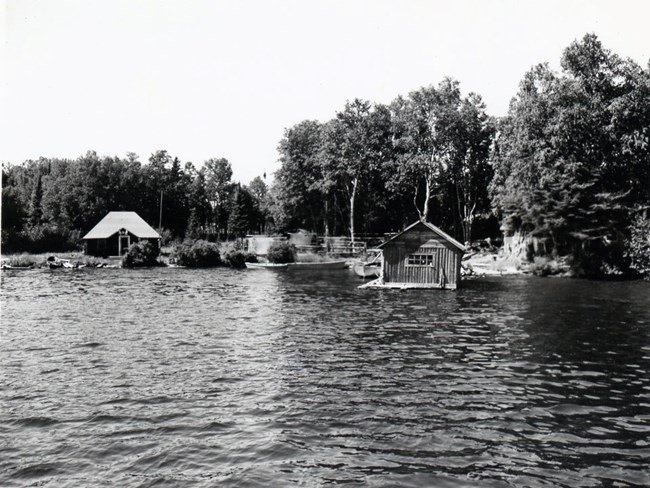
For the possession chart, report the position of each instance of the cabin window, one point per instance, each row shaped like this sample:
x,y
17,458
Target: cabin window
x,y
420,260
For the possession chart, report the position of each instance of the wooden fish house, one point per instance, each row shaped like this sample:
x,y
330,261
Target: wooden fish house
x,y
113,235
421,256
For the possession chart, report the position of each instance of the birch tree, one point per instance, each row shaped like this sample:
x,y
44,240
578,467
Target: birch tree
x,y
356,145
422,128
470,170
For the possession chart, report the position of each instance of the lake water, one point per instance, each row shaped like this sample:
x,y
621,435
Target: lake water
x,y
173,377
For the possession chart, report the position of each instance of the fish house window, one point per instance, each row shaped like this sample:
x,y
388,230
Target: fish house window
x,y
420,260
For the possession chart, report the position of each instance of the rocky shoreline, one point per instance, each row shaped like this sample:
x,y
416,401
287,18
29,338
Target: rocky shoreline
x,y
490,264
496,263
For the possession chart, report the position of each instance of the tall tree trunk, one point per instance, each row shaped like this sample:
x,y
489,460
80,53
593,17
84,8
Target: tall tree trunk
x,y
461,212
353,195
427,197
415,200
465,212
468,221
326,218
424,213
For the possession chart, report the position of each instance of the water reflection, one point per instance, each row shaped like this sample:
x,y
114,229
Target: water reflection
x,y
240,378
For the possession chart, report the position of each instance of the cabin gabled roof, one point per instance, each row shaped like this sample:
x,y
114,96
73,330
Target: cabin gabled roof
x,y
116,221
431,227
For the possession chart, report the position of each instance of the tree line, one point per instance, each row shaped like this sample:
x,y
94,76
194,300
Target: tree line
x,y
572,158
569,166
48,204
374,168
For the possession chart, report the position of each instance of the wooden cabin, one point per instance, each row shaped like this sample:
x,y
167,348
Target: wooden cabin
x,y
421,256
113,235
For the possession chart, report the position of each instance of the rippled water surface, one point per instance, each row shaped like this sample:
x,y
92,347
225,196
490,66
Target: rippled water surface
x,y
171,377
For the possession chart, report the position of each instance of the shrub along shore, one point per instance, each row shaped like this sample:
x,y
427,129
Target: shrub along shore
x,y
190,254
478,262
42,260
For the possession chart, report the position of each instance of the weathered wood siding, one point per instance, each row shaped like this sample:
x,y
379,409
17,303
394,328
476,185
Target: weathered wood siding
x,y
445,268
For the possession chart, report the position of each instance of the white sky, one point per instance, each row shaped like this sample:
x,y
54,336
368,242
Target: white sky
x,y
224,79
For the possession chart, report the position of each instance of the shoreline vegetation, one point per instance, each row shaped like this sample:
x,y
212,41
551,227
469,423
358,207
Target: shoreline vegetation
x,y
40,260
475,263
188,254
563,180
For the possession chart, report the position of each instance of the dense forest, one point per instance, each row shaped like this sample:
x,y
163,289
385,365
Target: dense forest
x,y
568,168
47,205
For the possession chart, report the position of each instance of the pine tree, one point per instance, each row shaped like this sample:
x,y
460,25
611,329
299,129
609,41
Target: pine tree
x,y
241,217
193,230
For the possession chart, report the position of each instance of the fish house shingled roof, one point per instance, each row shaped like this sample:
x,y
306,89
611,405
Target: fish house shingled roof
x,y
431,227
115,221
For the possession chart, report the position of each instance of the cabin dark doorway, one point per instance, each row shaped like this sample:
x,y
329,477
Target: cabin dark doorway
x,y
125,242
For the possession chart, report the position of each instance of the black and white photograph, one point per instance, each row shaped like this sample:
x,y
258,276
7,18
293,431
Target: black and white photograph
x,y
317,243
